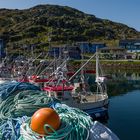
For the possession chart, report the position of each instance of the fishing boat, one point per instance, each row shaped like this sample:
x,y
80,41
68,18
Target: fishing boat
x,y
91,102
5,72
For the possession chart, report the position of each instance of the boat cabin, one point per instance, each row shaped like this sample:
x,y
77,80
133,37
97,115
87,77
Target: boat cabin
x,y
60,92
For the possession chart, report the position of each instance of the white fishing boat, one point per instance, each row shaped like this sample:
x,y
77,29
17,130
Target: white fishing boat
x,y
92,102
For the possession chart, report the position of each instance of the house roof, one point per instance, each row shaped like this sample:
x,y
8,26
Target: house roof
x,y
92,43
66,47
130,41
58,46
112,48
138,43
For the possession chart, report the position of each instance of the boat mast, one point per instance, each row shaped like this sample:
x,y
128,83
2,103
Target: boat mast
x,y
97,64
97,70
82,70
101,86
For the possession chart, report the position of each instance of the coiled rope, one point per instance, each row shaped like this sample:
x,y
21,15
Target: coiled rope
x,y
9,88
17,108
24,103
75,125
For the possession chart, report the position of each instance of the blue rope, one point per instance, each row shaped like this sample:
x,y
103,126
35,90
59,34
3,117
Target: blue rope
x,y
17,105
9,88
11,128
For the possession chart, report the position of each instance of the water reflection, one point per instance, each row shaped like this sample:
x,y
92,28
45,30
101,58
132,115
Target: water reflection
x,y
123,112
122,81
124,115
127,76
118,83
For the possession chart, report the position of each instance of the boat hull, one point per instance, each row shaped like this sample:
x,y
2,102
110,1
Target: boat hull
x,y
88,105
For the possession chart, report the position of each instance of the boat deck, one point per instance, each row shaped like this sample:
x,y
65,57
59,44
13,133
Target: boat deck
x,y
91,97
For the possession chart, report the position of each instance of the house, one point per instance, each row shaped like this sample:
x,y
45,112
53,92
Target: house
x,y
54,52
130,45
73,52
113,53
87,47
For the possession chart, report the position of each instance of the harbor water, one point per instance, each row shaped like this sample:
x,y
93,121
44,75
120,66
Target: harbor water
x,y
124,115
124,112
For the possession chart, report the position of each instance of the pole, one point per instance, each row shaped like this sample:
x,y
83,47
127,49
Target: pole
x,y
97,63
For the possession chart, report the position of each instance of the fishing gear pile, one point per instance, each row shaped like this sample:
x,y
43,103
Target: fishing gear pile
x,y
19,101
12,87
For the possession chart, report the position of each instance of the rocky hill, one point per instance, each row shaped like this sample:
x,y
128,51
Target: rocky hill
x,y
60,23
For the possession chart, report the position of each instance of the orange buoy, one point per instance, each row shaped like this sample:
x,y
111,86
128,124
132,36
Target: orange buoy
x,y
44,116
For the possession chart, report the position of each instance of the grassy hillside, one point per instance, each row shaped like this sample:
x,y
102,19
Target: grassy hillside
x,y
60,23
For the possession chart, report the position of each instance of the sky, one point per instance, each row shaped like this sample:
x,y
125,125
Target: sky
x,y
122,11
